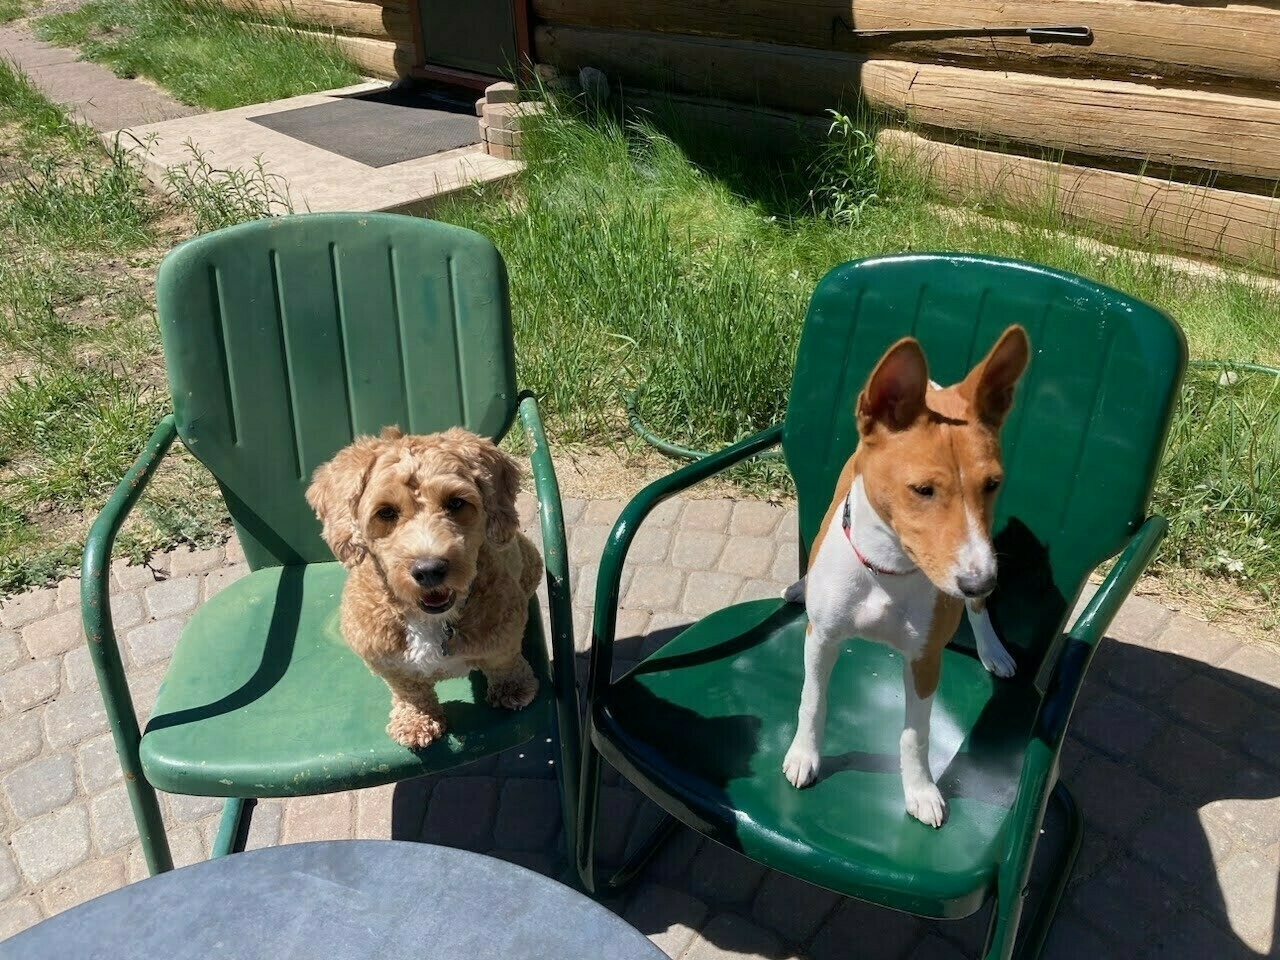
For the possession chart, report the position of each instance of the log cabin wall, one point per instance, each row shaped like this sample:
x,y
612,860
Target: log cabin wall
x,y
1168,123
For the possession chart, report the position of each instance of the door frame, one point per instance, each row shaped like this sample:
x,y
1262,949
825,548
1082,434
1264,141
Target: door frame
x,y
420,69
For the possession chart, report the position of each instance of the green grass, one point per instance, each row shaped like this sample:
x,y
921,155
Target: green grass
x,y
81,378
200,52
631,266
11,10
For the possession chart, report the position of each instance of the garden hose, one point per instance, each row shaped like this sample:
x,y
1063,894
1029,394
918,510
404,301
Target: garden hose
x,y
686,453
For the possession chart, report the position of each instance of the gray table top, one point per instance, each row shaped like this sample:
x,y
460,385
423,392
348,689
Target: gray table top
x,y
339,900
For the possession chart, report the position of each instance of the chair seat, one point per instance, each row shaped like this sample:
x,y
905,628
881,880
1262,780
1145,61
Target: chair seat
x,y
703,724
264,699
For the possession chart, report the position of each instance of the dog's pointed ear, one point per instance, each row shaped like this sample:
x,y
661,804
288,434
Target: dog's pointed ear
x,y
498,477
334,494
989,385
894,394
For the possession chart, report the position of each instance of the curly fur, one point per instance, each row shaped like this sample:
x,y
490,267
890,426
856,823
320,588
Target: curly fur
x,y
390,504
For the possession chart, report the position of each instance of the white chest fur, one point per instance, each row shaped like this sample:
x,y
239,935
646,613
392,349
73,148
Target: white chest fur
x,y
850,600
427,647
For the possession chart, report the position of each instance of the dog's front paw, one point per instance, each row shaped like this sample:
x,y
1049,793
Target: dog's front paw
x,y
800,765
414,729
925,803
996,659
514,693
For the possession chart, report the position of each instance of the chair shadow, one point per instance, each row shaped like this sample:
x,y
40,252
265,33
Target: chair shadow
x,y
1149,881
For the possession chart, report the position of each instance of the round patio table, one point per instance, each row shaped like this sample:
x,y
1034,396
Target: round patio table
x,y
339,900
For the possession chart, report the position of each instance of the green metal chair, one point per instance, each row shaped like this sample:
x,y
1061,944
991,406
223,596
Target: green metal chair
x,y
702,725
283,340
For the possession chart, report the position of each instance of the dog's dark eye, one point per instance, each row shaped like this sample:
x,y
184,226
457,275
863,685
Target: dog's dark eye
x,y
454,504
924,490
387,513
992,484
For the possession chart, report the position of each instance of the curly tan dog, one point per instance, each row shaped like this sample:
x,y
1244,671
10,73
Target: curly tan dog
x,y
439,574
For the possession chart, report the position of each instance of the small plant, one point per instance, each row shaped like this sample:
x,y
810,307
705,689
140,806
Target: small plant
x,y
221,198
847,173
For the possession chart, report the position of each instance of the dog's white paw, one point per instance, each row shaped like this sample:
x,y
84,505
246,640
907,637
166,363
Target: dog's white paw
x,y
925,803
800,765
996,659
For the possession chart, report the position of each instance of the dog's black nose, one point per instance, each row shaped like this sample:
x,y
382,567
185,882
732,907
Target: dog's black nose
x,y
429,573
976,585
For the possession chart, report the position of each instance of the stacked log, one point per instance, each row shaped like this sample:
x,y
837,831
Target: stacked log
x,y
375,35
1180,96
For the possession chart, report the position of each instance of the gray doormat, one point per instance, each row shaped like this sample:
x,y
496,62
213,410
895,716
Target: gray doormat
x,y
379,129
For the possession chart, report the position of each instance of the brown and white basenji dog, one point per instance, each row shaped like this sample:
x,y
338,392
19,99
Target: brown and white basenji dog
x,y
906,545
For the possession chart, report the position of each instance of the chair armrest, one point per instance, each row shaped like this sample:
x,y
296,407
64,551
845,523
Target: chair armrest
x,y
95,575
1082,639
555,553
609,578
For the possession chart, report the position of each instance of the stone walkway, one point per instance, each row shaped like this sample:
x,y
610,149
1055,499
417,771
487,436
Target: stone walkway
x,y
1175,759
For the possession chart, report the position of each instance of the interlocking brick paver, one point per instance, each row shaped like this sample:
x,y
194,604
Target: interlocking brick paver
x,y
74,717
29,685
325,817
18,914
670,918
69,593
707,591
24,608
20,739
220,579
854,925
707,515
97,762
9,878
697,549
1249,889
77,670
41,786
12,651
111,818
1139,621
728,935
655,588
1212,707
754,518
748,556
56,842
154,642
528,814
1174,755
91,879
602,512
188,809
183,562
1185,637
264,824
721,875
173,597
792,908
460,812
54,634
1126,901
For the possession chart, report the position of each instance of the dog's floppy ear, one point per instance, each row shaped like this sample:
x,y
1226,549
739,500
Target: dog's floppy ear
x,y
894,394
989,385
334,494
498,477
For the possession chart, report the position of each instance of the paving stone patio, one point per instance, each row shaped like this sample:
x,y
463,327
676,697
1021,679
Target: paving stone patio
x,y
1175,759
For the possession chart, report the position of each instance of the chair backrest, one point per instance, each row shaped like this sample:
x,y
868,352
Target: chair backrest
x,y
1087,430
285,339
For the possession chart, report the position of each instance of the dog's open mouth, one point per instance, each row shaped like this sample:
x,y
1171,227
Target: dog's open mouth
x,y
437,600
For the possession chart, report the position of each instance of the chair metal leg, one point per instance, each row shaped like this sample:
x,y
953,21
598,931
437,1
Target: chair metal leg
x,y
588,821
1038,930
235,812
1004,930
146,815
